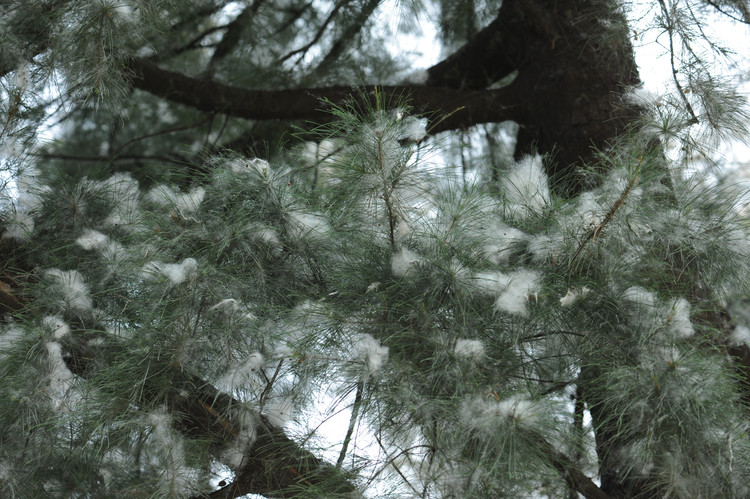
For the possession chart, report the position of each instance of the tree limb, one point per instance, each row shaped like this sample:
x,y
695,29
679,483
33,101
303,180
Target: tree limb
x,y
307,104
274,465
570,472
565,96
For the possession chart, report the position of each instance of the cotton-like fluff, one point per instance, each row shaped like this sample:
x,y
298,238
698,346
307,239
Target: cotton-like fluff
x,y
126,216
279,411
546,247
22,78
326,151
31,193
265,235
75,292
120,10
309,226
232,307
59,327
120,188
167,451
488,413
177,273
740,336
499,242
92,239
243,374
640,96
246,422
679,318
308,153
469,349
60,377
414,129
111,251
256,166
514,299
404,262
589,211
512,290
492,282
639,296
526,189
8,338
419,77
368,349
573,295
19,225
184,203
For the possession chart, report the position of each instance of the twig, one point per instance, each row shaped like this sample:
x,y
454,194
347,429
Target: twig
x,y
610,214
318,35
730,16
352,423
161,132
681,91
269,385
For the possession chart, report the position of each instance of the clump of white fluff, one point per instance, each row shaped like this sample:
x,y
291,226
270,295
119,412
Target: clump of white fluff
x,y
512,290
368,349
526,188
19,225
177,273
404,262
184,203
75,292
469,349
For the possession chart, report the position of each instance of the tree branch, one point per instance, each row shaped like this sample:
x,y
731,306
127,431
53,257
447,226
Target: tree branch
x,y
347,36
307,104
318,34
565,97
274,465
233,34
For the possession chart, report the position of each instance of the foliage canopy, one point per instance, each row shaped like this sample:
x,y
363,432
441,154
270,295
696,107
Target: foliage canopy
x,y
496,276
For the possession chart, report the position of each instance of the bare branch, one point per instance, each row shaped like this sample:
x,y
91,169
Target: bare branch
x,y
303,50
347,36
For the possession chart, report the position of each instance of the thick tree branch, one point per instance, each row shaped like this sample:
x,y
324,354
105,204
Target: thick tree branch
x,y
273,466
489,56
565,96
477,106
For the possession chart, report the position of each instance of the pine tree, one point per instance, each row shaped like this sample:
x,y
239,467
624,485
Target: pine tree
x,y
498,277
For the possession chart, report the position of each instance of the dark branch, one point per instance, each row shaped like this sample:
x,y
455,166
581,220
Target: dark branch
x,y
108,159
308,104
233,34
565,96
274,465
347,37
303,50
